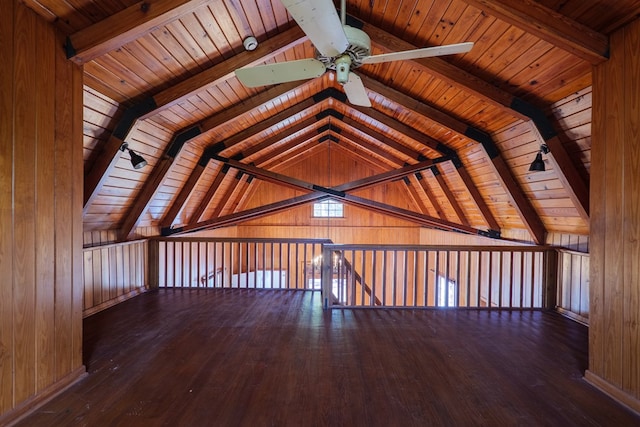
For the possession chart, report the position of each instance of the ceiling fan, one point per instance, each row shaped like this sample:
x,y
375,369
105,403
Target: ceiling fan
x,y
340,47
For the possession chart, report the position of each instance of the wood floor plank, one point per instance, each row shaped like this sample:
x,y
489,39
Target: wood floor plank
x,y
263,357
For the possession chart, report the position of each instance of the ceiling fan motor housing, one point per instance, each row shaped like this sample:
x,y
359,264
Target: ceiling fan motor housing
x,y
358,49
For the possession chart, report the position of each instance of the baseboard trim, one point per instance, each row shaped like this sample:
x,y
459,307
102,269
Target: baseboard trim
x,y
612,391
34,402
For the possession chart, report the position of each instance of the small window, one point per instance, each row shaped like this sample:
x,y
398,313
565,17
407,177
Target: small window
x,y
328,209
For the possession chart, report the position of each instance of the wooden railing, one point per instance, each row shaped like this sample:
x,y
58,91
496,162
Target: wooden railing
x,y
573,285
235,263
512,277
113,273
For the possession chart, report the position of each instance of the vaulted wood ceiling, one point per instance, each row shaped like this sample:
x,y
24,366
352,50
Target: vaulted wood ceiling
x,y
458,132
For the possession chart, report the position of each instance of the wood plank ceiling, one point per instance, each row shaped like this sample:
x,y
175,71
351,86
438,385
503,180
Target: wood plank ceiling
x,y
458,132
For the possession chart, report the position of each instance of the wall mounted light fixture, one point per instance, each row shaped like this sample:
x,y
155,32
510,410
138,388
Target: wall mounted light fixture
x,y
137,161
538,164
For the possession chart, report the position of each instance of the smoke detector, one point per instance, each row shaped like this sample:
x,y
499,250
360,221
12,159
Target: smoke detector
x,y
250,43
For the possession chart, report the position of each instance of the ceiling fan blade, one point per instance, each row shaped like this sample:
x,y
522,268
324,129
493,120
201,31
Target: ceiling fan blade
x,y
320,22
356,93
449,49
280,72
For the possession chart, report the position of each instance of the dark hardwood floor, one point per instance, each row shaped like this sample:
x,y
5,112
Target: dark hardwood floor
x,y
274,358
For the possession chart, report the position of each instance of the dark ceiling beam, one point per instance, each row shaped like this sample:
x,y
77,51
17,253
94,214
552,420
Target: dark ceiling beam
x,y
125,26
302,143
185,192
304,127
225,70
384,177
509,104
249,214
221,146
400,127
242,191
578,190
482,207
110,152
550,26
373,152
430,195
219,207
153,182
305,108
516,195
211,191
292,154
421,219
415,195
298,184
386,140
449,195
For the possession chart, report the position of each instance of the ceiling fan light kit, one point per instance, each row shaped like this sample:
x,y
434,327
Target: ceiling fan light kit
x,y
339,47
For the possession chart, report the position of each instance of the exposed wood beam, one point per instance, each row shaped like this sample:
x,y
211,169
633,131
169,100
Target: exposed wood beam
x,y
304,127
432,198
398,126
256,101
550,26
305,108
111,150
269,176
449,195
153,182
249,214
445,71
125,26
513,190
204,203
413,216
110,153
525,210
386,176
344,136
578,190
227,194
301,141
415,195
182,197
500,99
225,70
242,191
391,143
99,172
484,210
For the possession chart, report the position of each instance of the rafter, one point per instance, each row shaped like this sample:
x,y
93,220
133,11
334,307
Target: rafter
x,y
432,198
506,102
204,203
550,26
111,151
451,198
125,26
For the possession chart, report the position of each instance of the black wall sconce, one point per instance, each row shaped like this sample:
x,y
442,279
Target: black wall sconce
x,y
137,161
538,164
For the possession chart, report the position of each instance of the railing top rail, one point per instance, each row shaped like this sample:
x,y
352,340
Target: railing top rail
x,y
466,248
113,244
242,240
572,252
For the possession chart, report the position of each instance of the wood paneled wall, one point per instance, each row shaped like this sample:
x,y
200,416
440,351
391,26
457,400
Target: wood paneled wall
x,y
40,213
614,333
113,273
